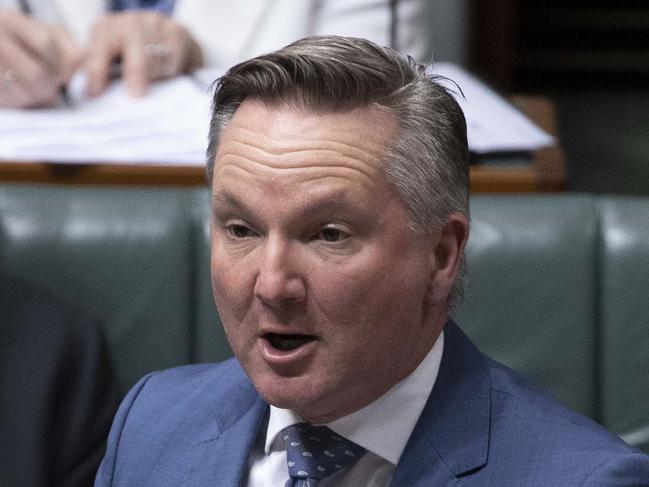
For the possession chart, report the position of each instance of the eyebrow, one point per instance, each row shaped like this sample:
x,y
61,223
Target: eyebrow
x,y
227,199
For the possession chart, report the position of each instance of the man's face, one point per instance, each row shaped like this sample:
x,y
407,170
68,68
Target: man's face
x,y
322,287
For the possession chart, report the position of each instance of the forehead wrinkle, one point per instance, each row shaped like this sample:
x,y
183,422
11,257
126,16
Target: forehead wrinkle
x,y
296,164
372,148
320,148
259,173
349,137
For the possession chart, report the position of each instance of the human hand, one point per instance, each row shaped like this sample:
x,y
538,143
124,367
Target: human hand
x,y
149,45
36,60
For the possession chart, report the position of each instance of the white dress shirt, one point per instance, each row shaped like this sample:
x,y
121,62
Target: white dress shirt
x,y
382,428
245,28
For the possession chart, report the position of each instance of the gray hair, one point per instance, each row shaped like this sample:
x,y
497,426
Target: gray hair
x,y
428,160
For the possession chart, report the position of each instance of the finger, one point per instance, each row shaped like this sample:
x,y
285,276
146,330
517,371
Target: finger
x,y
102,51
174,62
160,59
186,54
35,80
99,57
12,94
136,71
136,26
162,47
35,37
71,54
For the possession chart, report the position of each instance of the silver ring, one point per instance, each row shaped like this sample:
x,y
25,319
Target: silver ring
x,y
9,75
157,50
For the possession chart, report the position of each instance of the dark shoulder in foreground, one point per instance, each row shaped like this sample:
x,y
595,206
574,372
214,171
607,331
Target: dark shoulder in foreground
x,y
57,389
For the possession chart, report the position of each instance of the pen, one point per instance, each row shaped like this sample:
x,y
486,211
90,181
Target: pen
x,y
63,92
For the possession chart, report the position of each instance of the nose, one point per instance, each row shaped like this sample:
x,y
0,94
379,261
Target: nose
x,y
279,281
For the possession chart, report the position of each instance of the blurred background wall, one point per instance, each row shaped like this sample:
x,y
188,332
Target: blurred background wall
x,y
592,59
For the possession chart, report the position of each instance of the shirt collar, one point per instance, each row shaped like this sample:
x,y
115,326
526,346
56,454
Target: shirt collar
x,y
384,426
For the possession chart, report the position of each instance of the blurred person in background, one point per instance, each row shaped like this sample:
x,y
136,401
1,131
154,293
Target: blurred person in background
x,y
44,42
57,391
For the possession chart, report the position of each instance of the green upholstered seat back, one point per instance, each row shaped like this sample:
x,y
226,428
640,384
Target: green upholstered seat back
x,y
558,285
210,340
123,256
624,317
530,299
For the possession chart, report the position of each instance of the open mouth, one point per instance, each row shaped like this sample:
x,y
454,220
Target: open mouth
x,y
287,342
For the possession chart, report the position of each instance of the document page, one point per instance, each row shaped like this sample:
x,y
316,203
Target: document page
x,y
167,126
170,124
493,124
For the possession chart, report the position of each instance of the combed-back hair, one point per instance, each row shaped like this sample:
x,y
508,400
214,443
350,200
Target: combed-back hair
x,y
427,162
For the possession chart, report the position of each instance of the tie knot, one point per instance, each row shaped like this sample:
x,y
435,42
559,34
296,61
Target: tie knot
x,y
316,452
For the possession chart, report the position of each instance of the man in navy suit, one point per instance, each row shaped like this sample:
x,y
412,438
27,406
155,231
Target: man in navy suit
x,y
340,217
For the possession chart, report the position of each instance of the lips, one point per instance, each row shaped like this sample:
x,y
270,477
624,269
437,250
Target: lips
x,y
288,354
286,342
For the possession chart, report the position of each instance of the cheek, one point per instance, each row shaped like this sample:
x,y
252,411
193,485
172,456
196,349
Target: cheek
x,y
232,298
354,302
373,299
230,287
376,278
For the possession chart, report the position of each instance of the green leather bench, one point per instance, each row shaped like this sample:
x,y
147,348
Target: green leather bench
x,y
558,285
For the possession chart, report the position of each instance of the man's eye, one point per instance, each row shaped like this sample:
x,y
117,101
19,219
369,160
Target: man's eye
x,y
238,231
331,234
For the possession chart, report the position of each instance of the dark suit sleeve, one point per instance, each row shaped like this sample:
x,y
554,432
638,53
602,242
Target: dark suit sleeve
x,y
57,391
87,400
630,470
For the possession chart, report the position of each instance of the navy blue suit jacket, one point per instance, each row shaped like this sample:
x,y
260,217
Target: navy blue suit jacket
x,y
483,425
57,391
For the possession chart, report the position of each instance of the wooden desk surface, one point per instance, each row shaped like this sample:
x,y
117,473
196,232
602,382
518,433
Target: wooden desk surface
x,y
546,173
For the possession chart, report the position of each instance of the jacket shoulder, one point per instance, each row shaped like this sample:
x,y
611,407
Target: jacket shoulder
x,y
492,426
165,397
548,441
179,381
167,413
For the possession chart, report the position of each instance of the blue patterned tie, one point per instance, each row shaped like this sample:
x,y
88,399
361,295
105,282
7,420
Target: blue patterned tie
x,y
316,452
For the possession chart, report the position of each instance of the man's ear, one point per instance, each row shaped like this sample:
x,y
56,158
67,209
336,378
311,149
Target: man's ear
x,y
446,256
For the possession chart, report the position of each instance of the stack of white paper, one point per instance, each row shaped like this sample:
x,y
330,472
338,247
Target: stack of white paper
x,y
170,125
493,125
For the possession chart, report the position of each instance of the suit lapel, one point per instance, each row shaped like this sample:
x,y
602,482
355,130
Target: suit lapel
x,y
451,437
223,460
220,457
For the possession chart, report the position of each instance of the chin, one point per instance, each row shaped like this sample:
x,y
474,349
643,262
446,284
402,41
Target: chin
x,y
293,393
